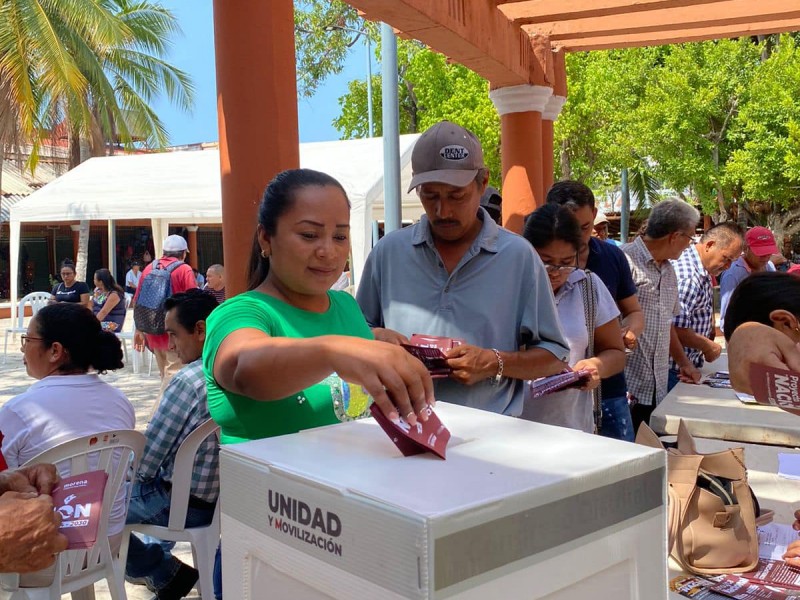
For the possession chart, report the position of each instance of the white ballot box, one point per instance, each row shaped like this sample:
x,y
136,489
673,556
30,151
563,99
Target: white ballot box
x,y
518,510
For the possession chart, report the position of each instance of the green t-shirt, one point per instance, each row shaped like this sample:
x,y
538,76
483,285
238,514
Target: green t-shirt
x,y
241,418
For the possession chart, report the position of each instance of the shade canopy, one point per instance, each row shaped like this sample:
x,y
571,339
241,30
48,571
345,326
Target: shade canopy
x,y
184,188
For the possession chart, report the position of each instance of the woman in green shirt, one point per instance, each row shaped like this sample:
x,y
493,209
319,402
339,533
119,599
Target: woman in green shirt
x,y
270,354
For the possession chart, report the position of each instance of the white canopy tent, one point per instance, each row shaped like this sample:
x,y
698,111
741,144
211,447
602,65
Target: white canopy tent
x,y
184,188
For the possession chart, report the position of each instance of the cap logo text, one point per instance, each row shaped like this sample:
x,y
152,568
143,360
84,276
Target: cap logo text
x,y
454,152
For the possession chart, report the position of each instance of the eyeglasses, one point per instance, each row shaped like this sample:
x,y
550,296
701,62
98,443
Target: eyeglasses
x,y
29,338
567,269
686,235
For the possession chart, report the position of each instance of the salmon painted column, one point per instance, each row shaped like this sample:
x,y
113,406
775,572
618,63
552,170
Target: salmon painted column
x,y
549,115
257,115
520,108
554,105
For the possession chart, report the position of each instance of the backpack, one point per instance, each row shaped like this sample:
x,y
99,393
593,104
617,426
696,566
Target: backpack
x,y
149,313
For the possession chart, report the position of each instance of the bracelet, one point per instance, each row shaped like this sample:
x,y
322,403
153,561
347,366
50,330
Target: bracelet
x,y
499,375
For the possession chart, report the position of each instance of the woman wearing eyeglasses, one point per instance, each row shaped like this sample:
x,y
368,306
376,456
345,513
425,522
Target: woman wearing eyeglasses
x,y
581,301
275,357
64,349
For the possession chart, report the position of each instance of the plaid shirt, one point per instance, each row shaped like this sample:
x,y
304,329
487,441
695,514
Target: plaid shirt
x,y
182,409
657,291
696,295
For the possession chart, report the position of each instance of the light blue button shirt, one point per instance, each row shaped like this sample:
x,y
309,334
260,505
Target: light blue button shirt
x,y
498,296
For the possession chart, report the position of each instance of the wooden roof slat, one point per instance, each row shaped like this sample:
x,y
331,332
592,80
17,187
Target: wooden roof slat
x,y
610,42
525,12
715,14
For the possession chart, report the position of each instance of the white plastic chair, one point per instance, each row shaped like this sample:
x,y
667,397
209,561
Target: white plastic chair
x,y
127,336
37,300
204,539
117,453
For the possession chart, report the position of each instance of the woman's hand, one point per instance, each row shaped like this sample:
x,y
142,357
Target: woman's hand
x,y
399,383
591,365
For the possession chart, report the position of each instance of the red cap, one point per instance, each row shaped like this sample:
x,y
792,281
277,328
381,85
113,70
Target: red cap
x,y
761,241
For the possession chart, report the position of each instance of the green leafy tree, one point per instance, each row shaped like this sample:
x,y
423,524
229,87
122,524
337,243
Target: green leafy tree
x,y
430,89
686,115
764,167
94,65
325,30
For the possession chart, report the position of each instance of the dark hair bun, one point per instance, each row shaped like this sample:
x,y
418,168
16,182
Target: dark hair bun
x,y
107,355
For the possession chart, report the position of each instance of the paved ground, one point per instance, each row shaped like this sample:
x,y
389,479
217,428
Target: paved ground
x,y
141,390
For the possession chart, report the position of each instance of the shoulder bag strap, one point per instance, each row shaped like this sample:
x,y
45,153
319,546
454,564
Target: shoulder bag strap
x,y
590,315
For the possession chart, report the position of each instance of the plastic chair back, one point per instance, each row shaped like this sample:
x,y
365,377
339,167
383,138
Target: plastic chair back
x,y
116,452
37,300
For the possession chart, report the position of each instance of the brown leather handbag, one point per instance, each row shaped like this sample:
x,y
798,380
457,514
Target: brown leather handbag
x,y
712,510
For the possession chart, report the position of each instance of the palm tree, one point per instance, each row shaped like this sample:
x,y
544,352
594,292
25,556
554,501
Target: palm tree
x,y
93,65
123,79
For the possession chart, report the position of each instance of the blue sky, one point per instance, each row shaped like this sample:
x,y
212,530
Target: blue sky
x,y
193,52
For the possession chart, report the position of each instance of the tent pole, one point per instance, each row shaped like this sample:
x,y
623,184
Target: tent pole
x,y
112,248
391,130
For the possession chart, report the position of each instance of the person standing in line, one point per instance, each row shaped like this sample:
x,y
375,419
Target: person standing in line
x,y
698,264
457,274
610,264
182,278
588,314
670,230
759,247
70,289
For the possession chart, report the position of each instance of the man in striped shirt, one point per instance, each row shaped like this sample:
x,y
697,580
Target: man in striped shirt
x,y
182,409
716,250
669,232
215,282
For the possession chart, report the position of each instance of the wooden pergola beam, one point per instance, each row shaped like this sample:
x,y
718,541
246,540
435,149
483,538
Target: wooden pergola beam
x,y
474,34
526,12
656,22
610,42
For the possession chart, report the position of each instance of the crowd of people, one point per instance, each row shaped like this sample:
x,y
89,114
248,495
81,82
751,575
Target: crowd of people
x,y
637,318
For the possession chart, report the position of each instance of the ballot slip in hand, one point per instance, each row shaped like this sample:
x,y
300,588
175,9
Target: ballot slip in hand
x,y
431,350
425,436
554,383
776,387
79,499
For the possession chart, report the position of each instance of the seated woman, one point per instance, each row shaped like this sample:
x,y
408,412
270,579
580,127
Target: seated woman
x,y
274,356
555,235
108,301
65,349
70,289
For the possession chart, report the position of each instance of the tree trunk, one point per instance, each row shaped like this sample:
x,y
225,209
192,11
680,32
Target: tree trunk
x,y
566,167
83,251
74,149
784,222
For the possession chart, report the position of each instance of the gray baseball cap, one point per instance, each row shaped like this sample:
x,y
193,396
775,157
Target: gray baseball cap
x,y
446,153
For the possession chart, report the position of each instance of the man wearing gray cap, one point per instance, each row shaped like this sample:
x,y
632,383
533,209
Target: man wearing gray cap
x,y
458,274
